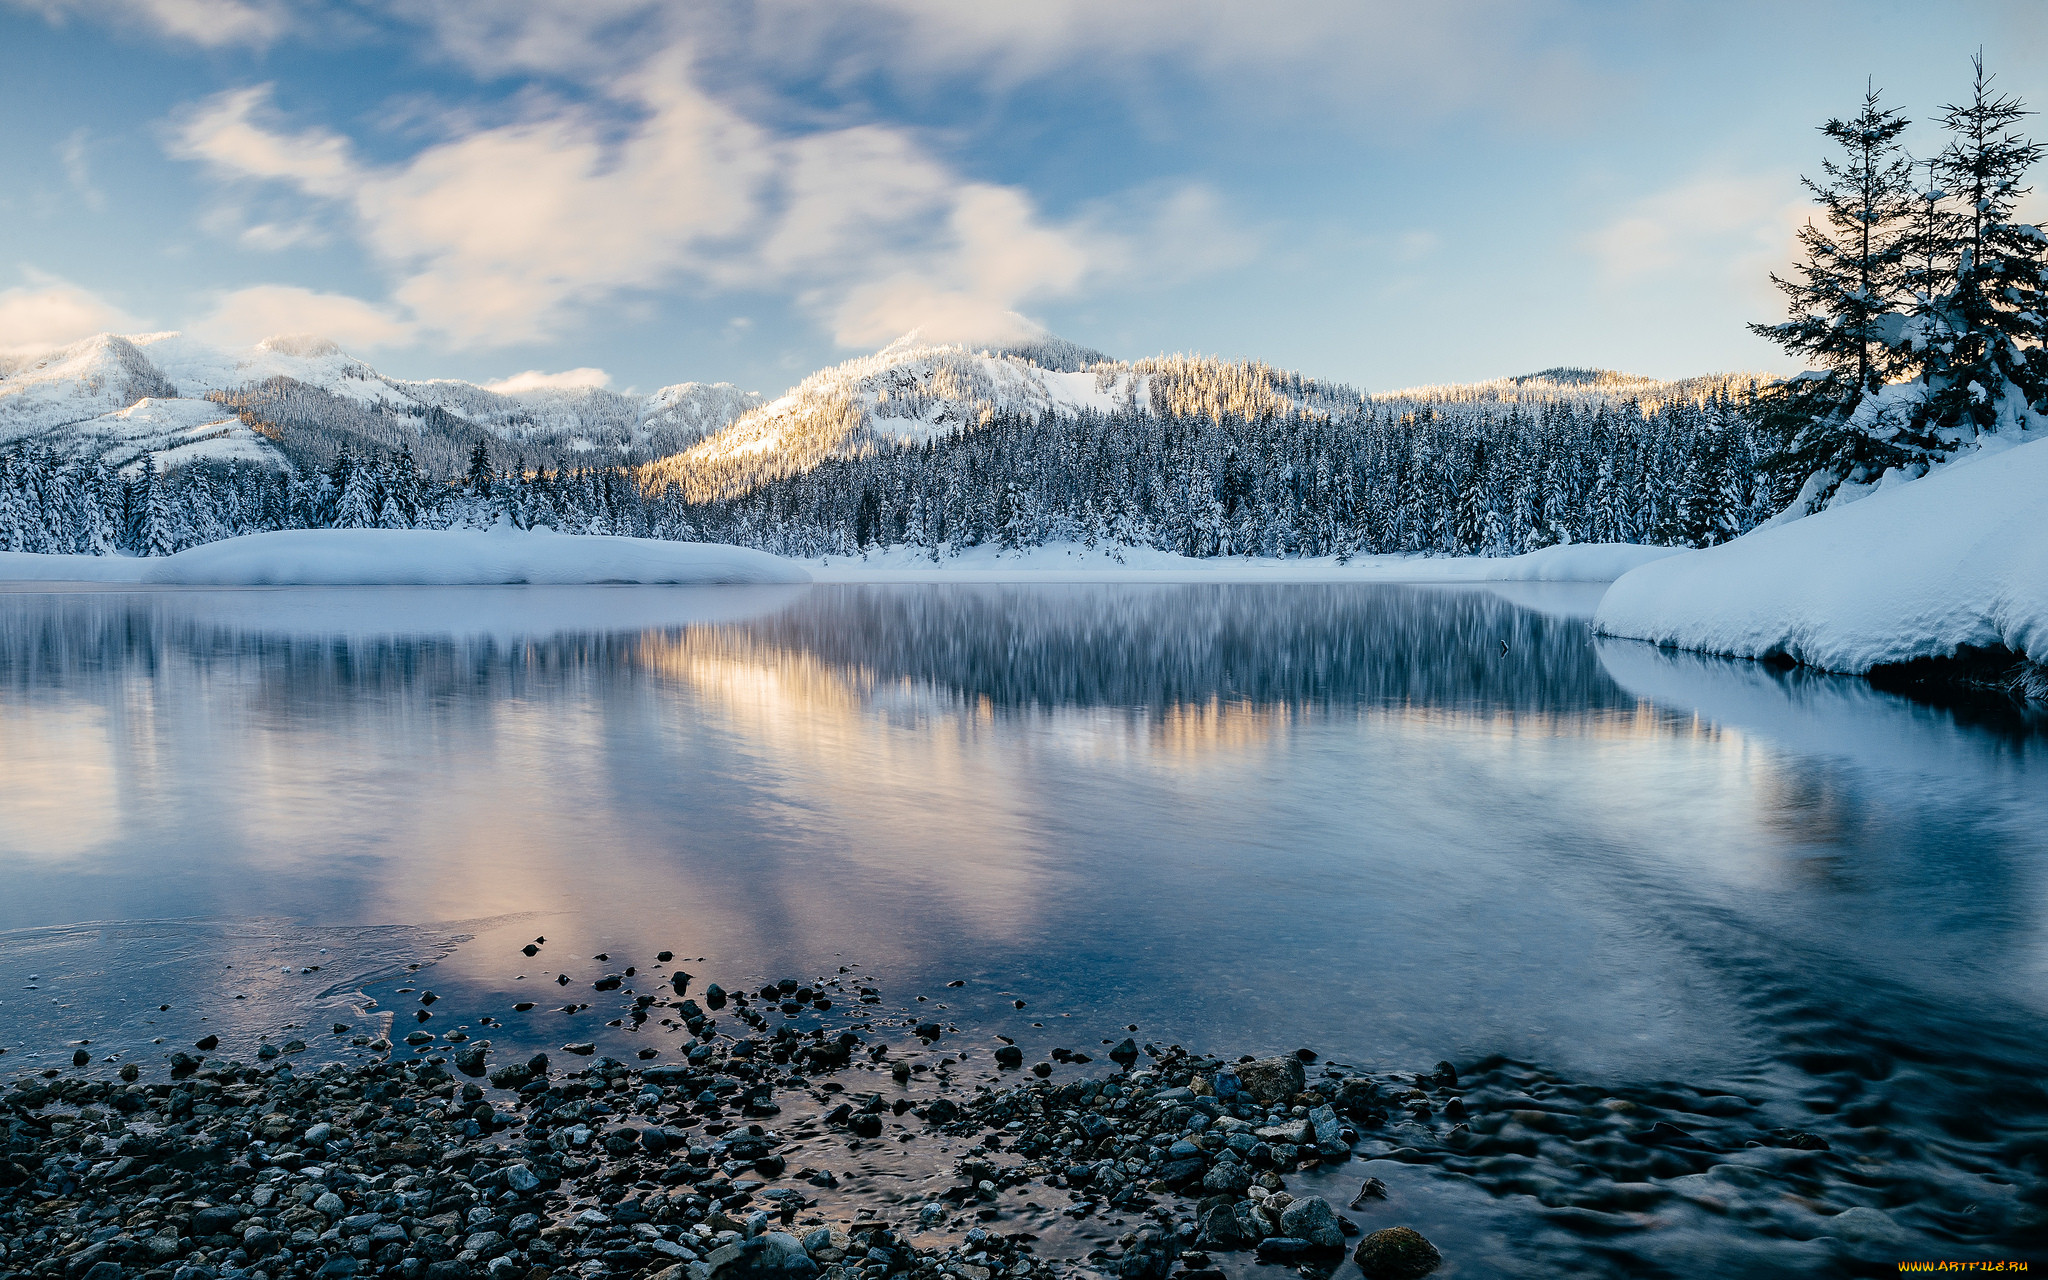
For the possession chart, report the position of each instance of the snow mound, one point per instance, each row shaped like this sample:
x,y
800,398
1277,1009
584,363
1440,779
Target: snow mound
x,y
418,558
1916,570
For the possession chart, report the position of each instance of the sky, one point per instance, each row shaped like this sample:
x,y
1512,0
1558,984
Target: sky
x,y
635,194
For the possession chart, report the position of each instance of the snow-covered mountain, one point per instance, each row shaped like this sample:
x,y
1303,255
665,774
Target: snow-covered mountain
x,y
300,401
917,389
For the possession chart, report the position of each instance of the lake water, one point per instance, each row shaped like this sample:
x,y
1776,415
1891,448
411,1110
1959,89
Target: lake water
x,y
1396,824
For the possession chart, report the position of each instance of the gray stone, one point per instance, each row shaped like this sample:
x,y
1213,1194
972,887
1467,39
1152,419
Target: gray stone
x,y
1221,1229
521,1179
1227,1177
1272,1079
486,1244
1312,1219
1251,1223
330,1204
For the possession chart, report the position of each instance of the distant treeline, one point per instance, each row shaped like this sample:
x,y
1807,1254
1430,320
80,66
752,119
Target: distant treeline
x,y
1458,472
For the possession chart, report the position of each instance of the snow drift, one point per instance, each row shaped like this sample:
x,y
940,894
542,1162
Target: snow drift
x,y
417,558
1923,569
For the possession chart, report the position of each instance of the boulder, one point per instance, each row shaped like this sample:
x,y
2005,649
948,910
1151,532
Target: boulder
x,y
1397,1253
1312,1219
1271,1080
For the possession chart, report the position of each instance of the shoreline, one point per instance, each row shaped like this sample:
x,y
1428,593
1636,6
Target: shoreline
x,y
788,1154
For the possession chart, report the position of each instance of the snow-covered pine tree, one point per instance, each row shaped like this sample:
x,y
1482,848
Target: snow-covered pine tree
x,y
1982,361
1844,310
358,505
160,517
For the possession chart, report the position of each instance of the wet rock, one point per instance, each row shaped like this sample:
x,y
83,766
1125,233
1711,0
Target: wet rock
x,y
1252,1222
1228,1177
1271,1080
1397,1253
1149,1257
470,1060
80,1058
1009,1057
207,1044
1220,1229
774,1255
1312,1219
1370,1189
1125,1053
1283,1248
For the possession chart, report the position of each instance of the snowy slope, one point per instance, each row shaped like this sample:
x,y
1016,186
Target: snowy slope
x,y
46,399
416,557
915,390
1918,569
75,384
908,393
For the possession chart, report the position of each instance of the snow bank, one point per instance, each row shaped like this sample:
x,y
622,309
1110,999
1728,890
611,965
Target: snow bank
x,y
1072,562
1913,570
417,558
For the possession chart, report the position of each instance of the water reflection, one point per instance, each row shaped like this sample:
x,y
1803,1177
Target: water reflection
x,y
1396,822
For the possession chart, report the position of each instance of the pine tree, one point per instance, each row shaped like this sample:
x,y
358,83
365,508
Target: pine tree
x,y
1983,364
479,478
1844,307
160,521
359,502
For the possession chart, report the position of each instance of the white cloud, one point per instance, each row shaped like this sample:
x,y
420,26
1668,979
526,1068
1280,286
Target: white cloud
x,y
211,23
47,313
1385,65
535,380
505,234
1708,226
262,311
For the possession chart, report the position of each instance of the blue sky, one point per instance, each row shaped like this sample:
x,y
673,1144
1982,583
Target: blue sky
x,y
1386,194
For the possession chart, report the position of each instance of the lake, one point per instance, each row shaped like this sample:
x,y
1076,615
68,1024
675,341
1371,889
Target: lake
x,y
1393,824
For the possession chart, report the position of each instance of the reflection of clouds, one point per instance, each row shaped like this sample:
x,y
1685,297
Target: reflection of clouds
x,y
57,780
918,792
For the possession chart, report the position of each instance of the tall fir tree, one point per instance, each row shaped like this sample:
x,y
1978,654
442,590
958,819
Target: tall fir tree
x,y
1983,364
1844,307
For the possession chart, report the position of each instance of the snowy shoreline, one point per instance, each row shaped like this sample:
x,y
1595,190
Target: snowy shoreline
x,y
1950,566
370,557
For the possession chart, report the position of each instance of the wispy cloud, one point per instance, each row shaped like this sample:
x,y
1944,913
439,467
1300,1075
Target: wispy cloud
x,y
506,234
47,313
1717,224
210,23
73,153
536,380
269,310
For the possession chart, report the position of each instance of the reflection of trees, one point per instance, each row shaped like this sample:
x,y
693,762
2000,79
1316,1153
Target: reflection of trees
x,y
1146,647
1167,646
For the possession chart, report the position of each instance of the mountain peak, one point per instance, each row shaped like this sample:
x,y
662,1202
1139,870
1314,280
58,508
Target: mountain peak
x,y
1011,335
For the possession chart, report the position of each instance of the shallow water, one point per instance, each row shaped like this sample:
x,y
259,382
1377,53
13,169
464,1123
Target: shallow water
x,y
1397,824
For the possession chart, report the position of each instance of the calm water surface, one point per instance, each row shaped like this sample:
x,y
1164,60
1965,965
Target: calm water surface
x,y
1395,824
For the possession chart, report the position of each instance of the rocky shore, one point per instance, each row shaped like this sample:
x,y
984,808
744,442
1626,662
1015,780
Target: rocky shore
x,y
734,1163
462,1166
